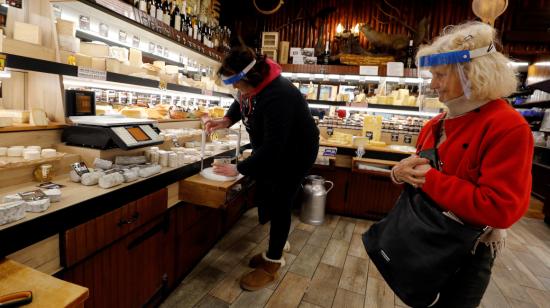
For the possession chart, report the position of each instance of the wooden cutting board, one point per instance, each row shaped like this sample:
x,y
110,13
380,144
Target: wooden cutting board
x,y
47,291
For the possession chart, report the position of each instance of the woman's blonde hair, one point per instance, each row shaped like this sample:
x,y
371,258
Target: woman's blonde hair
x,y
490,76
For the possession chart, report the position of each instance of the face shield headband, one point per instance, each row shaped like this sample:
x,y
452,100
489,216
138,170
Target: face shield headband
x,y
456,58
227,80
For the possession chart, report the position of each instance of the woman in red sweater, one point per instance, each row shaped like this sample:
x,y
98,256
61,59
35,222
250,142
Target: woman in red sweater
x,y
484,148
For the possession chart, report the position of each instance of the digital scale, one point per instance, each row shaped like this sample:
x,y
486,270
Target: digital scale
x,y
107,132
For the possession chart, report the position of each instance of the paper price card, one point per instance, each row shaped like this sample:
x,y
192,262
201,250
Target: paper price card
x,y
90,73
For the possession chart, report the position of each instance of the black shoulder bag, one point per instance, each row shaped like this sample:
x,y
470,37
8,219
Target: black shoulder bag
x,y
417,247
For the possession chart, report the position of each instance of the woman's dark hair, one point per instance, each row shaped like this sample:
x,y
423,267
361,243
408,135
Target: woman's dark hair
x,y
238,58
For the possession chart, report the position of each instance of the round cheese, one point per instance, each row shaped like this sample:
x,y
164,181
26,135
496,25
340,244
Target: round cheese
x,y
16,151
31,154
49,153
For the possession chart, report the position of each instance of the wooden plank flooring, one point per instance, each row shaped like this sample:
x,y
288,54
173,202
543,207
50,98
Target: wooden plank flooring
x,y
328,267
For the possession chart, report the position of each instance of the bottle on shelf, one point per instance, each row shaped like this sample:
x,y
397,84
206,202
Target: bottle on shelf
x,y
410,65
166,11
151,8
158,11
183,17
175,20
326,54
190,30
143,5
135,3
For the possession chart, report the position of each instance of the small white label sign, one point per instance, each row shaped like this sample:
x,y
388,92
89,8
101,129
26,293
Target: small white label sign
x,y
90,73
370,70
395,69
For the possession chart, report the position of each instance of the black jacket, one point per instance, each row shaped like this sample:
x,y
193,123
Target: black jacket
x,y
282,131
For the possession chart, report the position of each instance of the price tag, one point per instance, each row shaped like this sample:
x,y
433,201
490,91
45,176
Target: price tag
x,y
369,135
325,77
175,142
342,78
395,69
122,36
207,92
293,76
395,137
163,84
159,50
401,80
151,47
90,73
362,79
330,152
104,29
2,62
135,41
330,130
166,52
84,22
408,139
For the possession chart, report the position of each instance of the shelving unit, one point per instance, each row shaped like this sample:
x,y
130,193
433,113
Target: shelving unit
x,y
43,66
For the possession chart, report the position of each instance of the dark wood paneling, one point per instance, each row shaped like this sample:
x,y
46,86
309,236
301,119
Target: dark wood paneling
x,y
132,272
337,197
245,20
85,239
371,194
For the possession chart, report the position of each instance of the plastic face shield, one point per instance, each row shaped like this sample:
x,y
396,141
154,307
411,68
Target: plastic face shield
x,y
445,67
227,80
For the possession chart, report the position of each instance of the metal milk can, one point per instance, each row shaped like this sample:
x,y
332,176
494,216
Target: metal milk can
x,y
314,200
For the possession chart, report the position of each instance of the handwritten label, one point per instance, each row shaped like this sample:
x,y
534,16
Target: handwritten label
x,y
90,73
135,41
84,22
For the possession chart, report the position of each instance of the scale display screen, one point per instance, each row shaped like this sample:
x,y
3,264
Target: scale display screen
x,y
83,104
138,134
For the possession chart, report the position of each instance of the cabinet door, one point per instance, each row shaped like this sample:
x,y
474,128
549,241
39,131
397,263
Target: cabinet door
x,y
336,198
371,194
132,272
193,240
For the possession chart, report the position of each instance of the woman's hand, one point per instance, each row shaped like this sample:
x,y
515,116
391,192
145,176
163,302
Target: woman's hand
x,y
225,169
212,125
412,170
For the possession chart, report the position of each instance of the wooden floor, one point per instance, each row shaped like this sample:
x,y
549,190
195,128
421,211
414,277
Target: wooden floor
x,y
328,267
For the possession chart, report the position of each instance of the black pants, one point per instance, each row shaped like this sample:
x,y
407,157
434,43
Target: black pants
x,y
468,285
275,201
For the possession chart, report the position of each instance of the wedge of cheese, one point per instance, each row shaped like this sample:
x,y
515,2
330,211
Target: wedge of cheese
x,y
38,117
27,33
17,116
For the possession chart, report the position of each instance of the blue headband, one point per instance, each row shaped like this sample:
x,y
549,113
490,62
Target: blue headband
x,y
227,80
454,57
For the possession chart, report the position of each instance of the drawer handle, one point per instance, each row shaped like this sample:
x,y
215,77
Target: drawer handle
x,y
128,221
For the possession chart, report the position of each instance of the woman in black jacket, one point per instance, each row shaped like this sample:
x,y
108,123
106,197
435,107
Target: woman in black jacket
x,y
285,142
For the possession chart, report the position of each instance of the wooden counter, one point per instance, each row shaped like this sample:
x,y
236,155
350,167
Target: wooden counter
x,y
81,203
47,291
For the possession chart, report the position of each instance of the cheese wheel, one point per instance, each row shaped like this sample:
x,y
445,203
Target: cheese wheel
x,y
31,154
111,180
12,211
49,153
172,160
102,164
91,178
74,176
53,194
148,171
15,151
3,151
38,206
163,158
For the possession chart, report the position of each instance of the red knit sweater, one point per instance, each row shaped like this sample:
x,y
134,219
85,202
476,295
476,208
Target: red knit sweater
x,y
485,176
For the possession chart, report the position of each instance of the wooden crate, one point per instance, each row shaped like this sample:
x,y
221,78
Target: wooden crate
x,y
270,40
284,48
201,191
271,53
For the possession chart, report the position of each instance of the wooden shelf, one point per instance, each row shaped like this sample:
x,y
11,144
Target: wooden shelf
x,y
43,66
543,86
17,162
28,127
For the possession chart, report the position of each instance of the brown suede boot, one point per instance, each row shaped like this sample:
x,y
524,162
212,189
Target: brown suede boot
x,y
265,274
258,259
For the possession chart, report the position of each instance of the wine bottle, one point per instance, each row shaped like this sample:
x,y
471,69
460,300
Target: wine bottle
x,y
326,54
166,11
158,11
409,62
176,18
152,9
143,5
